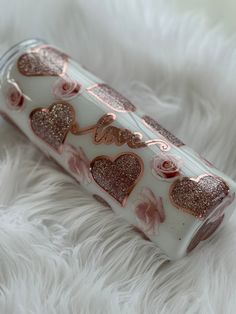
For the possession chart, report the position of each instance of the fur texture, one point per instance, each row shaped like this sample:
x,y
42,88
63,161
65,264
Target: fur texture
x,y
61,251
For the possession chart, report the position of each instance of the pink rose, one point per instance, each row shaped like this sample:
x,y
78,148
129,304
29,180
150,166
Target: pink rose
x,y
149,211
165,166
14,96
78,164
65,88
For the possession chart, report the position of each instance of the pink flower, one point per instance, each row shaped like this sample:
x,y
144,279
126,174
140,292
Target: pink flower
x,y
14,96
149,211
165,166
78,164
65,88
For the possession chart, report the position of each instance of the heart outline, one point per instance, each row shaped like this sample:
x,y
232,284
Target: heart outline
x,y
113,159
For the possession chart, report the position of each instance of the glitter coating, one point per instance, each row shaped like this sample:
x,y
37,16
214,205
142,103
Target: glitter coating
x,y
205,231
43,61
111,98
198,196
52,124
117,176
157,127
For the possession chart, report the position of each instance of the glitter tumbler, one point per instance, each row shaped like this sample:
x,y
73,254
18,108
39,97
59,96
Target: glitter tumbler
x,y
124,157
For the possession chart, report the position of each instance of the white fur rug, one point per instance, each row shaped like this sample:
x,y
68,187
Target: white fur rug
x,y
60,251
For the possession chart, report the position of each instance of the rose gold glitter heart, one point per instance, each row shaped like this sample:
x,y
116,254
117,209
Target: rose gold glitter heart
x,y
198,196
52,124
118,175
42,61
111,98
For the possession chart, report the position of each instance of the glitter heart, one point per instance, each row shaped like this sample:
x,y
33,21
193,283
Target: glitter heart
x,y
42,61
118,175
52,124
198,196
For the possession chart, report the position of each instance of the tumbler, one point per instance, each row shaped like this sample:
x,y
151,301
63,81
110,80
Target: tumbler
x,y
121,155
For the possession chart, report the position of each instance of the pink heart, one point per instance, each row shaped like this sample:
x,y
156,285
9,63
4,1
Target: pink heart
x,y
198,196
53,123
117,175
42,61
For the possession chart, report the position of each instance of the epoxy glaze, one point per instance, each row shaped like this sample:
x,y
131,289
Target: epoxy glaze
x,y
125,158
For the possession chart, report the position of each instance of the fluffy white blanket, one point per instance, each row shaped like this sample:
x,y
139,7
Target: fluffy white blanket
x,y
60,251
